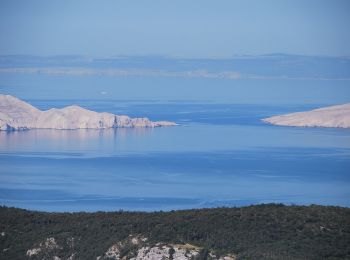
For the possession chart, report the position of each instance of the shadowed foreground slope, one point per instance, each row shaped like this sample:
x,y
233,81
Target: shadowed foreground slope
x,y
256,232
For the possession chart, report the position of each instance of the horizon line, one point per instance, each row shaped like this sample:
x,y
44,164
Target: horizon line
x,y
167,56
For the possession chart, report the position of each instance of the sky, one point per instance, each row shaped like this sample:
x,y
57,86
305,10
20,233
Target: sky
x,y
181,28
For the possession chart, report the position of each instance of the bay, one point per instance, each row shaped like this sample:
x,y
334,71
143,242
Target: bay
x,y
221,154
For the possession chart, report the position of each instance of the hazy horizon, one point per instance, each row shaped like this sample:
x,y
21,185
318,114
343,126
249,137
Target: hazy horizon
x,y
159,55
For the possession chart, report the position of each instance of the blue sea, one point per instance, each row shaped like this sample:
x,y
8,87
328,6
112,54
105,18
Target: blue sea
x,y
220,154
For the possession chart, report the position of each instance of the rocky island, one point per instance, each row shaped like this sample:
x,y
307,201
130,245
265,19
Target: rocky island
x,y
16,114
333,116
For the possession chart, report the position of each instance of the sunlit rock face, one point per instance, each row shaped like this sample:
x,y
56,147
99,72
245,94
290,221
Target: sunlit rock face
x,y
138,248
134,247
16,114
333,116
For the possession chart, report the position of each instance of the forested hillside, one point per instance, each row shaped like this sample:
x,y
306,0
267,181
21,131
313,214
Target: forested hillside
x,y
267,231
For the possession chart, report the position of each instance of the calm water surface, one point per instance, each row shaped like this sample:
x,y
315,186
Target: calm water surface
x,y
219,155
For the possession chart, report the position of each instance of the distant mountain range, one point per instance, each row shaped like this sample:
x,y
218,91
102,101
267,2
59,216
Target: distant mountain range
x,y
236,67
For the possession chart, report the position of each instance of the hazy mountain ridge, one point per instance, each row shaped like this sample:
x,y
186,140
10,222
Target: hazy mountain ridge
x,y
16,114
244,66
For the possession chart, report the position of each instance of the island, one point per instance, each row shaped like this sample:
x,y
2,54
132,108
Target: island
x,y
332,116
16,114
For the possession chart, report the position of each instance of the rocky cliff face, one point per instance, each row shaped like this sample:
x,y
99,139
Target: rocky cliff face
x,y
132,248
334,116
16,114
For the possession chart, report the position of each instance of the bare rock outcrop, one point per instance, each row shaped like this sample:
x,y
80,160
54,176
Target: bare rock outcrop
x,y
16,114
333,116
